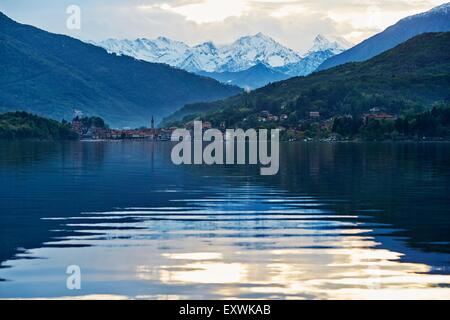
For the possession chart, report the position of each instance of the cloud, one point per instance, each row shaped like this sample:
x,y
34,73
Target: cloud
x,y
294,23
209,10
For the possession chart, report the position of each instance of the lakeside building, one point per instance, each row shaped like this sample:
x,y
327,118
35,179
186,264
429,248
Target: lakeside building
x,y
378,116
163,134
101,134
104,133
77,126
314,115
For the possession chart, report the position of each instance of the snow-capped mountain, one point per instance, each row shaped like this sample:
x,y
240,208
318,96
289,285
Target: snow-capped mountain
x,y
161,50
249,51
322,43
242,54
221,61
321,50
203,57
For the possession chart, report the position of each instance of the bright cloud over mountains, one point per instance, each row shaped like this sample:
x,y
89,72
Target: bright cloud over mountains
x,y
294,23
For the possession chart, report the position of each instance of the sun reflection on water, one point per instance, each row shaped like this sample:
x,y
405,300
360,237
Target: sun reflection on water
x,y
263,248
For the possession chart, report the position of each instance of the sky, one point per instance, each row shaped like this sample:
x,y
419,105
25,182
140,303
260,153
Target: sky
x,y
294,23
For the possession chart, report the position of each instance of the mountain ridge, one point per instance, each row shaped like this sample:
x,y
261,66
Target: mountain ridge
x,y
435,20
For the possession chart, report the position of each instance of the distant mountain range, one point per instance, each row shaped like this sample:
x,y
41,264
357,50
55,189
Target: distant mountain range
x,y
408,78
435,20
53,75
250,62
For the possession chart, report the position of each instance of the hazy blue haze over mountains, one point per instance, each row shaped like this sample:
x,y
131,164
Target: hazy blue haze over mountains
x,y
252,78
52,75
435,20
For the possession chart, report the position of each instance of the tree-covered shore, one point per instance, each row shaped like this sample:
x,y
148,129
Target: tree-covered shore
x,y
21,125
429,125
433,124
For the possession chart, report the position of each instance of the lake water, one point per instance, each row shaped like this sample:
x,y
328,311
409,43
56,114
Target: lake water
x,y
340,221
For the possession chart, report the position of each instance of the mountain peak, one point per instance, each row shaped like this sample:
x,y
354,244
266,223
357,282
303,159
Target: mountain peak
x,y
164,39
258,38
321,38
322,43
261,35
208,44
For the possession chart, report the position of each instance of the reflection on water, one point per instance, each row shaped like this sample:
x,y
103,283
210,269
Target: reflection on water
x,y
152,230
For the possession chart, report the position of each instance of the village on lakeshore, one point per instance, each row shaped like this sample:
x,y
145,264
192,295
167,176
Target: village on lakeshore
x,y
94,128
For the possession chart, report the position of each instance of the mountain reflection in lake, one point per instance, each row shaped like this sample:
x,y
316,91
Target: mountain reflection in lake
x,y
340,221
